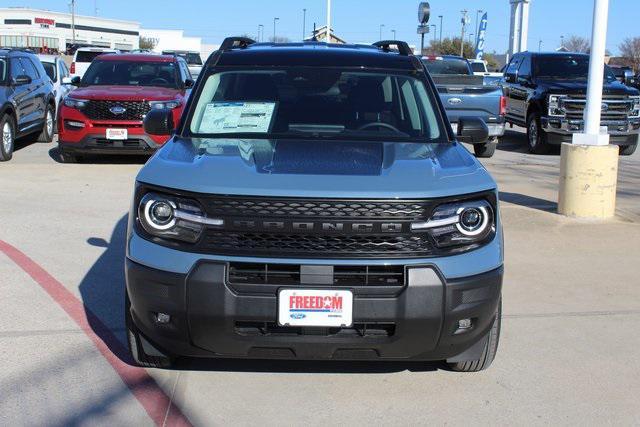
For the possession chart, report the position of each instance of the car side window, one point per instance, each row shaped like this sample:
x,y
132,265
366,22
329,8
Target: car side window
x,y
30,69
184,71
62,72
16,68
514,65
525,67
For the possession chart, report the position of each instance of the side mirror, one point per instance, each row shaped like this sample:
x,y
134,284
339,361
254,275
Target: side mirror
x,y
76,80
628,77
472,130
188,83
510,77
21,80
66,80
159,122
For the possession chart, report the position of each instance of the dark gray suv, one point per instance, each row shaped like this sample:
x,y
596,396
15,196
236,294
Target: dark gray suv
x,y
27,100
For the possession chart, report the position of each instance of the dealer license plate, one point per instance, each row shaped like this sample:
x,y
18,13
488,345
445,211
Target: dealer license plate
x,y
309,307
117,134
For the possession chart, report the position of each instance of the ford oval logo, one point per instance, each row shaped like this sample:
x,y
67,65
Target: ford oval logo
x,y
604,106
298,316
454,101
117,109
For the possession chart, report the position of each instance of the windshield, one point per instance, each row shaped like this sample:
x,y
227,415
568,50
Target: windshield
x,y
3,70
87,56
316,103
567,68
129,73
50,69
439,65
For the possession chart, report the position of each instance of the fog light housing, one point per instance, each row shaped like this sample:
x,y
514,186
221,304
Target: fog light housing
x,y
465,324
162,318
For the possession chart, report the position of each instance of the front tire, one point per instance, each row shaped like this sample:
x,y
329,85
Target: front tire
x,y
136,348
536,136
489,351
485,150
7,138
48,128
627,150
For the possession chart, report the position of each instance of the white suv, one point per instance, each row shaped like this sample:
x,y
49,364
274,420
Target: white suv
x,y
83,57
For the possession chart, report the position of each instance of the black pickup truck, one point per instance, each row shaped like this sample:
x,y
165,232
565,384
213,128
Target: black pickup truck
x,y
546,92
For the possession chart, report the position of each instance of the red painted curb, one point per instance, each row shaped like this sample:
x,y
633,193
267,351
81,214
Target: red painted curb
x,y
145,389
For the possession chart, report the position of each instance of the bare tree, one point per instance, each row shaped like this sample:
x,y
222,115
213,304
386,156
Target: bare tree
x,y
630,51
148,43
577,44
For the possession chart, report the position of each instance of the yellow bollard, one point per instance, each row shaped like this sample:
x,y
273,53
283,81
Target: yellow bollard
x,y
588,180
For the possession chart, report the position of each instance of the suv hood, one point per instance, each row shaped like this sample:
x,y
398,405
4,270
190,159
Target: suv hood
x,y
126,93
303,168
580,87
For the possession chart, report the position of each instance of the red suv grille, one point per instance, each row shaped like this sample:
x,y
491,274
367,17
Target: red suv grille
x,y
128,110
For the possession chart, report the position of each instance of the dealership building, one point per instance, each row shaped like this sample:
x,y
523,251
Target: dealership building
x,y
53,31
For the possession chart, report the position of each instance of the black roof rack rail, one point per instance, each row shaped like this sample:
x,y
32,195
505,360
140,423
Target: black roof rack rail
x,y
236,42
403,47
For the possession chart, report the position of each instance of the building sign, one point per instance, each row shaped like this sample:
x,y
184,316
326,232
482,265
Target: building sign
x,y
44,22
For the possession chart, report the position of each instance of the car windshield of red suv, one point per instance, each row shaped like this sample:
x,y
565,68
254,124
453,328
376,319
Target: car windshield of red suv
x,y
129,73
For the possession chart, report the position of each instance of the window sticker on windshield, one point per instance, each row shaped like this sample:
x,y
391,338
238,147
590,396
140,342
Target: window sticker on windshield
x,y
237,117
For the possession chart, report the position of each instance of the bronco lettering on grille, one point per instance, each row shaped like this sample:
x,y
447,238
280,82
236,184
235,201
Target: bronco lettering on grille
x,y
321,226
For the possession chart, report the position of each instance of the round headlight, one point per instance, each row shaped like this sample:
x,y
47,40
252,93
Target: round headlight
x,y
159,214
473,220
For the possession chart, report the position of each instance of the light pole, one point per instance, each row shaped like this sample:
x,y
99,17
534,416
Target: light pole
x,y
73,21
381,27
328,21
561,42
275,20
435,29
589,165
260,32
304,23
464,21
440,16
540,45
394,34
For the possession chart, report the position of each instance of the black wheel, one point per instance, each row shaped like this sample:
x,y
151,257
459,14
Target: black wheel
x,y
136,348
46,135
489,351
485,150
627,150
7,137
536,136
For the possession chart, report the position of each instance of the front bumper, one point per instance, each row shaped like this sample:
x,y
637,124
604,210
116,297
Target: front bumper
x,y
213,318
97,144
622,132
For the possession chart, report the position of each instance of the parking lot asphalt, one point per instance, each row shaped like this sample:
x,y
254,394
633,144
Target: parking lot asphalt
x,y
568,351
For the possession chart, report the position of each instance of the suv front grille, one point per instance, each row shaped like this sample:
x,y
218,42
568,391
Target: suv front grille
x,y
101,110
617,107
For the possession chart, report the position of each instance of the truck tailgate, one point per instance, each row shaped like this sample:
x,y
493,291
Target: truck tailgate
x,y
466,96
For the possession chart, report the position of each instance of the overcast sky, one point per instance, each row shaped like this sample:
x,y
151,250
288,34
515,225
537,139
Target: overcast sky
x,y
359,20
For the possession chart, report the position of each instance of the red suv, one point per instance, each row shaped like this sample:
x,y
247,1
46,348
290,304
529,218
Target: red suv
x,y
105,113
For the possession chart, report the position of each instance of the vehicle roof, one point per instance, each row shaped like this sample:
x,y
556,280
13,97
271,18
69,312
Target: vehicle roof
x,y
136,57
96,49
7,51
554,53
47,58
315,54
444,57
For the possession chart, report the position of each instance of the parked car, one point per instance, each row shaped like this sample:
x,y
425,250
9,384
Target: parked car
x,y
466,95
546,93
313,203
27,102
83,57
104,115
193,60
59,74
479,67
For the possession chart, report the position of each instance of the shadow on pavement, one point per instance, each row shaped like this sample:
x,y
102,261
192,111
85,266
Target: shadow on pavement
x,y
528,201
516,142
103,292
104,159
